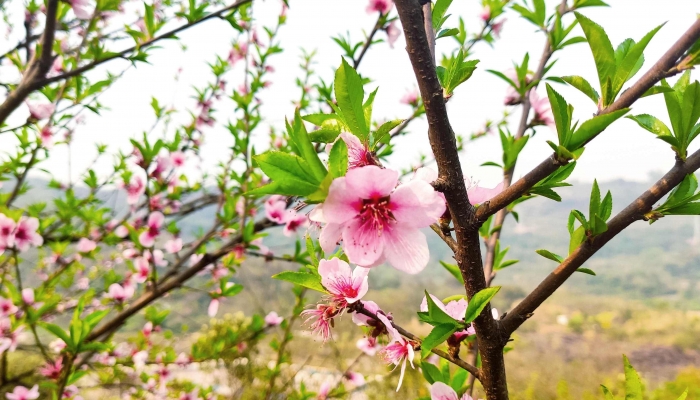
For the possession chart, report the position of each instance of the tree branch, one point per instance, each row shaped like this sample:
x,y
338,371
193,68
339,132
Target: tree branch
x,y
632,213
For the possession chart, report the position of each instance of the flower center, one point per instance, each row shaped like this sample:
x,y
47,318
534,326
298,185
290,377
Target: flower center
x,y
377,213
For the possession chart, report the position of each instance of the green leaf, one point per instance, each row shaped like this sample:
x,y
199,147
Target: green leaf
x,y
290,174
685,209
591,128
594,204
479,302
306,150
304,279
431,373
459,379
651,124
608,395
383,134
58,332
586,271
589,3
562,116
324,135
632,61
577,238
656,90
349,93
549,255
581,84
684,395
439,334
602,49
439,10
454,271
633,385
338,159
436,314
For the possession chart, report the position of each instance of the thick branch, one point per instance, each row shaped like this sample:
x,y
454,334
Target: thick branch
x,y
632,213
652,77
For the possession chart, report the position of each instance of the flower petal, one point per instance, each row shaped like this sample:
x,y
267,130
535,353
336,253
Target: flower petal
x,y
362,243
406,249
417,203
441,391
342,204
330,236
371,181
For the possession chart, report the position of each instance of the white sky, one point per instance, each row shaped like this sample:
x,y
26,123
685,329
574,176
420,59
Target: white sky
x,y
623,151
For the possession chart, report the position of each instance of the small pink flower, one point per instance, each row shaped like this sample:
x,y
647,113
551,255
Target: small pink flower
x,y
46,137
83,283
86,245
381,6
80,8
272,319
478,194
7,232
358,154
148,237
56,66
121,231
134,189
398,351
120,293
321,319
26,234
368,345
142,269
173,246
345,286
213,307
52,370
178,159
542,110
261,247
497,27
441,391
324,390
7,308
355,378
410,98
378,221
485,14
41,111
293,222
237,53
163,164
22,393
392,33
28,296
276,209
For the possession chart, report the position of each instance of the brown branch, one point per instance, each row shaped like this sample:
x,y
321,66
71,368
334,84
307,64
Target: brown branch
x,y
444,147
632,213
456,361
628,97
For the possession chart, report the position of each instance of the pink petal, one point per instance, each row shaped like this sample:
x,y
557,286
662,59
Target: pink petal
x,y
406,249
333,270
393,333
342,204
441,391
438,302
362,243
456,309
330,236
213,307
156,219
416,203
146,239
371,181
478,194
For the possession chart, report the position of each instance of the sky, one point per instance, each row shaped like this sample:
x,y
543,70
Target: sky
x,y
623,151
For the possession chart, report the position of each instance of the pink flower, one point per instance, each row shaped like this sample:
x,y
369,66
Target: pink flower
x,y
293,222
368,345
142,269
10,339
321,319
80,8
355,378
178,159
7,308
512,95
410,98
272,319
485,14
478,194
46,137
276,208
497,27
392,33
7,232
86,245
134,189
213,307
398,349
363,320
455,309
377,221
542,109
381,6
345,286
41,111
237,53
324,390
155,221
120,293
173,246
52,370
26,235
441,391
28,296
358,154
261,247
22,393
163,164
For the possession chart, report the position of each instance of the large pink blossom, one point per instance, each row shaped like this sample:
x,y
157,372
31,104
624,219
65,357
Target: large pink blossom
x,y
40,111
52,370
381,6
398,351
478,194
346,286
441,391
46,137
455,309
378,221
7,232
142,269
155,221
26,233
22,393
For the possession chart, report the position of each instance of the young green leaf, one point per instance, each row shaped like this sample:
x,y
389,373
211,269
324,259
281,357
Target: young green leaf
x,y
439,334
338,159
479,302
603,52
350,93
549,255
453,270
591,128
436,314
307,280
633,384
586,271
582,84
651,124
290,174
